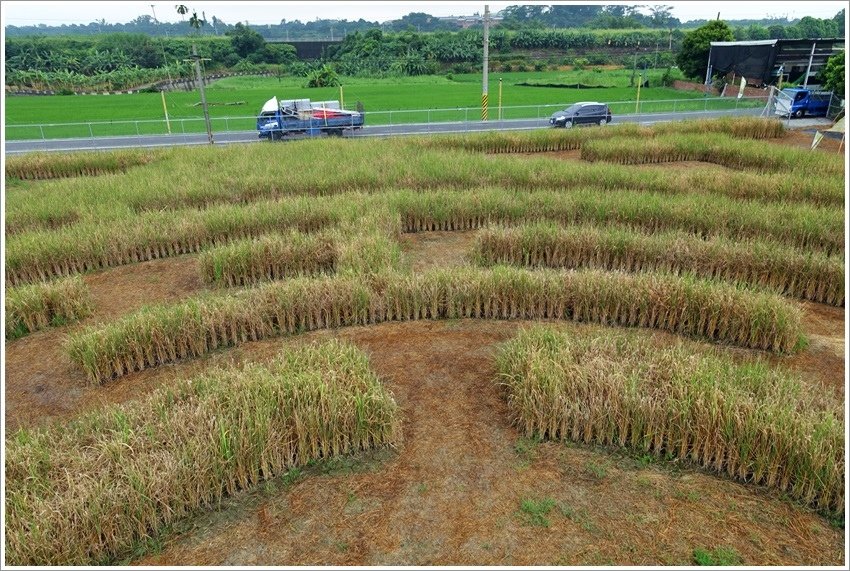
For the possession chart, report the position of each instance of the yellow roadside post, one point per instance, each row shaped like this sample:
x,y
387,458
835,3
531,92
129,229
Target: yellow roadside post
x,y
164,108
500,99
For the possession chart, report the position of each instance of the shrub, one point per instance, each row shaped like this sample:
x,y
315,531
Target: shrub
x,y
580,63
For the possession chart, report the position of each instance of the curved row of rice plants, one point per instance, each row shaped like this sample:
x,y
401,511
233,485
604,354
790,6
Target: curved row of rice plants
x,y
83,492
719,149
714,311
276,257
785,270
747,421
36,166
36,306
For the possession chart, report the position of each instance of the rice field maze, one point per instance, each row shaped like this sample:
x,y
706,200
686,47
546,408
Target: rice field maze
x,y
576,347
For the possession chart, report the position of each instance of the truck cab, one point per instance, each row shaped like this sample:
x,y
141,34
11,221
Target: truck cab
x,y
798,102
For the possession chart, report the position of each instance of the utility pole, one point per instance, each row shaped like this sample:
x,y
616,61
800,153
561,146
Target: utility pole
x,y
809,68
197,61
634,66
486,62
500,99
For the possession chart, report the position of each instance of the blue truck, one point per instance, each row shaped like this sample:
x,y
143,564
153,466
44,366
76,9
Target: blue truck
x,y
278,119
797,102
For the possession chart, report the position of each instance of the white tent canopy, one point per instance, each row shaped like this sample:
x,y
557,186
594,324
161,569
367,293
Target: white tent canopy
x,y
837,128
270,106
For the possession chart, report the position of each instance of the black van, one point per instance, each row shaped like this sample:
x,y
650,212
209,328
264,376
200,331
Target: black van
x,y
588,112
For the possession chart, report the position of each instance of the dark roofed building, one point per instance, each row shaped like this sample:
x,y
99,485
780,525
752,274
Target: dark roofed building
x,y
762,61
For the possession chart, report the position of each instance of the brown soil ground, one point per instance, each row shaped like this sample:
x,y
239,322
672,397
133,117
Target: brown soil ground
x,y
427,250
41,383
798,137
452,493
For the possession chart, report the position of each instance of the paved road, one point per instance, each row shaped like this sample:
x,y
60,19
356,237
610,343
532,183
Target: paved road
x,y
100,143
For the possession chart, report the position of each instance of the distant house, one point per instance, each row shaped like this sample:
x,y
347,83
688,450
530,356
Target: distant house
x,y
762,61
468,21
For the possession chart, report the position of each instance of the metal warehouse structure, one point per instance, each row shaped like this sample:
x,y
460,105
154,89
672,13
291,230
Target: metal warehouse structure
x,y
762,61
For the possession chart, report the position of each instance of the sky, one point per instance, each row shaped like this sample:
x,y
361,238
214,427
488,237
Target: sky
x,y
70,12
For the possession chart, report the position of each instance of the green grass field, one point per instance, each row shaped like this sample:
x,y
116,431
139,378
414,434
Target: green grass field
x,y
234,102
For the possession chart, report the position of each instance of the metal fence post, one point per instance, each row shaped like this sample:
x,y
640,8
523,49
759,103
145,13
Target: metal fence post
x,y
91,132
41,128
137,129
227,123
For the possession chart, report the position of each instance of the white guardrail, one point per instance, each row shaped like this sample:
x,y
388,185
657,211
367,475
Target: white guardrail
x,y
194,125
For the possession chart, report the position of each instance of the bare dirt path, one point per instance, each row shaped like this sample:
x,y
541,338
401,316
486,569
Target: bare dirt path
x,y
822,362
426,250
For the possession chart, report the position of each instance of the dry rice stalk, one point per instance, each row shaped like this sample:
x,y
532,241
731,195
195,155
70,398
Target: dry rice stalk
x,y
719,149
84,492
683,305
748,421
36,166
33,307
782,269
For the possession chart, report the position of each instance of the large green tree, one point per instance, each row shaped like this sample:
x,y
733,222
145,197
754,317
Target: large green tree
x,y
245,40
832,74
839,22
693,57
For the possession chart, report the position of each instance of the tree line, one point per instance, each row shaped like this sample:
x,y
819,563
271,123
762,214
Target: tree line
x,y
512,18
121,60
